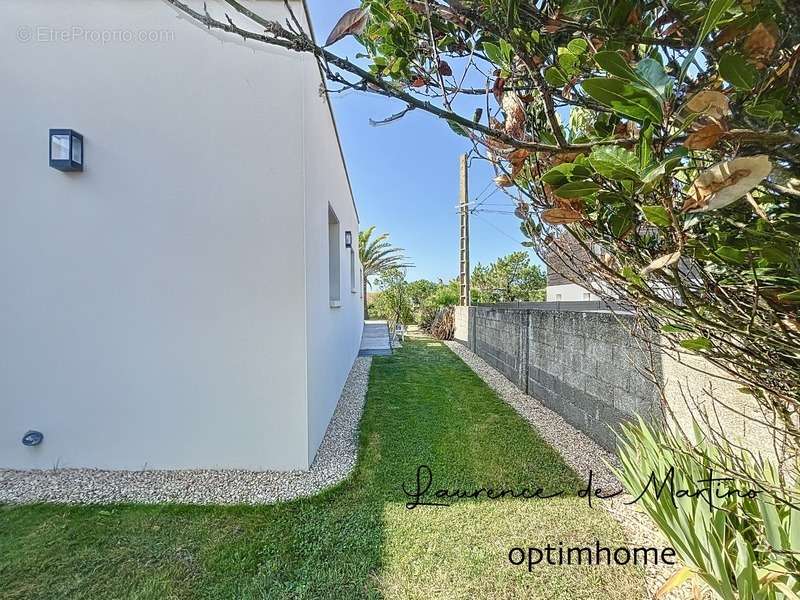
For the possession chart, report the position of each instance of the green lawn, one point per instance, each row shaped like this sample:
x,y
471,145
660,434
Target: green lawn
x,y
424,406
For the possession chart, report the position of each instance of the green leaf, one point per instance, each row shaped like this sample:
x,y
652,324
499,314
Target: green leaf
x,y
657,215
652,73
493,52
624,98
567,61
505,50
775,255
654,175
716,10
790,296
577,189
738,72
614,162
561,174
457,128
615,64
698,343
713,15
632,276
769,110
578,46
732,254
554,77
674,329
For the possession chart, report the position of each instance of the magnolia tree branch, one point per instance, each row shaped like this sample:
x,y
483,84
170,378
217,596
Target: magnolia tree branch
x,y
276,35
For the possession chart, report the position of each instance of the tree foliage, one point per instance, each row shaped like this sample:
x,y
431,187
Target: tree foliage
x,y
394,301
511,278
377,256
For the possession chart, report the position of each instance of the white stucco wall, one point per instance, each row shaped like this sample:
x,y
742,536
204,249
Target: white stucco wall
x,y
334,333
153,309
569,292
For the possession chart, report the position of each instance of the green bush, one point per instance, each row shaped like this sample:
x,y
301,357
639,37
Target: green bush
x,y
743,548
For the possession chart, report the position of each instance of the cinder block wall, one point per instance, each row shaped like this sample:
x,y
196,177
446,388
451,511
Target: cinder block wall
x,y
584,365
588,367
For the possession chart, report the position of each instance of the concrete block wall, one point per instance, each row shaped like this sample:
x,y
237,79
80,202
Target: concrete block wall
x,y
589,369
500,338
585,366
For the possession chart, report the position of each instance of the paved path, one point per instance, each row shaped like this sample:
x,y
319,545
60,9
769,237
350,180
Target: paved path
x,y
375,339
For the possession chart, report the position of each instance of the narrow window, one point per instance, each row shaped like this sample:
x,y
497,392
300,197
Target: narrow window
x,y
587,296
558,297
353,289
334,259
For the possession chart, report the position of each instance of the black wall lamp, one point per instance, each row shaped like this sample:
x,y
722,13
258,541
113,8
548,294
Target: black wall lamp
x,y
66,150
348,239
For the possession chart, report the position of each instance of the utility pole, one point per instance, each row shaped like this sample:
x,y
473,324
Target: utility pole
x,y
463,256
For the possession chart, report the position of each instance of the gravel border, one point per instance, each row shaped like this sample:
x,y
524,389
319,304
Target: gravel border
x,y
582,454
334,461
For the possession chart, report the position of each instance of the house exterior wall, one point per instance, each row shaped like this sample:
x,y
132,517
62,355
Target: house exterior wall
x,y
333,332
154,308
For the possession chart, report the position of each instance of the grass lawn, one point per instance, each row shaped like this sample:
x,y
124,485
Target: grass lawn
x,y
424,406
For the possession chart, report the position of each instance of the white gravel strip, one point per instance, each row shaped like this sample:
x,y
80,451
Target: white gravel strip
x,y
334,462
582,454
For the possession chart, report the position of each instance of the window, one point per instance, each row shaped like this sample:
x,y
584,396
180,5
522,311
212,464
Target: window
x,y
334,260
353,289
558,297
587,296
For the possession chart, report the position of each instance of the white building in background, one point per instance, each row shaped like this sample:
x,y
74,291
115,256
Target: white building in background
x,y
563,258
567,292
188,299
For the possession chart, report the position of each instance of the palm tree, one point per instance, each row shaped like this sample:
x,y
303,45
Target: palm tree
x,y
376,256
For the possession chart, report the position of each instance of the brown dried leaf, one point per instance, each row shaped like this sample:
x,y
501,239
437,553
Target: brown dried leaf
x,y
662,262
560,216
518,157
575,204
563,157
521,212
445,69
515,115
761,43
710,103
726,182
419,81
497,89
704,138
730,33
791,324
503,180
352,22
553,25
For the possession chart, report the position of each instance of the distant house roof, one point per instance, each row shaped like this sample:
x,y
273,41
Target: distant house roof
x,y
566,260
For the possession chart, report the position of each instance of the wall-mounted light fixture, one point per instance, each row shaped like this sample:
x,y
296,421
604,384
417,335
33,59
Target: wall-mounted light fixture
x,y
348,239
66,150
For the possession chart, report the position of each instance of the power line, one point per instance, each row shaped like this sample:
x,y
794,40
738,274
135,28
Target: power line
x,y
516,241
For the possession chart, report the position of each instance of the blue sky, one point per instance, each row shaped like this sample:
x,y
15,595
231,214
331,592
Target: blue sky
x,y
405,175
